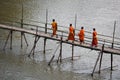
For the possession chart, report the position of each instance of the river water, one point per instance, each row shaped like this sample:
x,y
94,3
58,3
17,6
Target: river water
x,y
16,65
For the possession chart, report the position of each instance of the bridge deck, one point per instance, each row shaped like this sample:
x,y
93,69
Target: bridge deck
x,y
48,36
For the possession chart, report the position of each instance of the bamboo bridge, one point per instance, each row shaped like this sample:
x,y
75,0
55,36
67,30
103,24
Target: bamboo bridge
x,y
104,46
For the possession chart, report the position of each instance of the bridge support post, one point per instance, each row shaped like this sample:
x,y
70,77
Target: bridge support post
x,y
112,59
113,44
11,32
9,35
72,50
60,55
96,63
25,39
44,45
45,30
35,42
23,35
34,46
22,32
99,57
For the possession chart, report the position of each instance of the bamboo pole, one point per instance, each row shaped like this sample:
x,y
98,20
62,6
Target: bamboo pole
x,y
33,48
11,33
45,39
11,36
113,45
22,27
101,57
113,34
61,49
7,40
25,39
35,42
72,50
22,11
111,61
74,36
96,63
46,21
22,33
58,58
75,21
44,45
21,39
53,55
60,54
36,39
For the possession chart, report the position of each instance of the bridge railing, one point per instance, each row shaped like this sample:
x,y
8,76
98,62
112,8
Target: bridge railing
x,y
63,31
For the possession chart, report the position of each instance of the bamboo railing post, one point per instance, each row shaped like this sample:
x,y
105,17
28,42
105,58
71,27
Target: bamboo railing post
x,y
45,30
101,57
75,21
46,21
22,33
74,36
113,45
113,34
22,27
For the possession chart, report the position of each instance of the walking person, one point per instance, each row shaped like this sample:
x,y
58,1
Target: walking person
x,y
54,28
71,33
81,35
94,38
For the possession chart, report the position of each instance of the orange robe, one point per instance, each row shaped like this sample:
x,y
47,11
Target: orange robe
x,y
71,33
94,40
81,35
54,27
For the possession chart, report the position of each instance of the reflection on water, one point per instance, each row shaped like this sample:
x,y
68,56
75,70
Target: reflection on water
x,y
16,65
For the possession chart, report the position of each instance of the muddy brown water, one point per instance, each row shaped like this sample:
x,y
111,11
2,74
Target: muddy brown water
x,y
16,65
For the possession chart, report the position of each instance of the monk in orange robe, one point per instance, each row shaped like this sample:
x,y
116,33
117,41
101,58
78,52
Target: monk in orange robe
x,y
54,27
71,33
81,35
94,39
